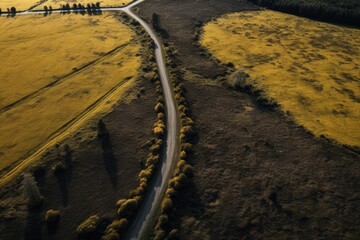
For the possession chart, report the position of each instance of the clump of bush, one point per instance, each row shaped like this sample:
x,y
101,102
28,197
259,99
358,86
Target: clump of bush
x,y
115,229
52,216
89,226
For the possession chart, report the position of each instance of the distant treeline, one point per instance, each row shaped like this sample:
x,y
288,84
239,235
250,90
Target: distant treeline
x,y
337,11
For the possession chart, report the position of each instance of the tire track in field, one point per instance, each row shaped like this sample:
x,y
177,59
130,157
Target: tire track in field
x,y
58,135
63,78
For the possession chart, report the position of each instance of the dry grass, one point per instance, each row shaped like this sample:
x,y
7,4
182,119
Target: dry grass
x,y
20,5
103,3
310,68
89,63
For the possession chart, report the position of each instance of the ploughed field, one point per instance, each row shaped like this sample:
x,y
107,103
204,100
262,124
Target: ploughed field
x,y
56,73
311,69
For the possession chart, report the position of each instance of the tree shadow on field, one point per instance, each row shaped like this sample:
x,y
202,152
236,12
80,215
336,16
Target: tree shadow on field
x,y
62,178
109,159
33,225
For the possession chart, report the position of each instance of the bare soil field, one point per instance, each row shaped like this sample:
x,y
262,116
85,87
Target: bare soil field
x,y
99,176
258,175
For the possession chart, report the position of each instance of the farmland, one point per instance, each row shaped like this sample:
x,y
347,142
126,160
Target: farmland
x,y
68,70
103,3
309,68
20,5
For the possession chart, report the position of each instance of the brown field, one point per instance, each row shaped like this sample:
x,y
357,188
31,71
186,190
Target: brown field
x,y
257,174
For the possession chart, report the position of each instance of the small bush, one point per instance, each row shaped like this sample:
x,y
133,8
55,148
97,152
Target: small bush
x,y
170,192
186,147
52,216
163,220
128,208
174,234
89,226
58,167
181,164
166,204
120,202
182,179
188,171
159,108
111,235
183,155
160,235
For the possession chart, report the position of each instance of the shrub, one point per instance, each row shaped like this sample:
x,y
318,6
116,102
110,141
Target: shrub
x,y
163,220
128,208
158,131
120,202
186,147
118,225
52,216
89,226
160,235
166,204
174,234
183,155
181,164
159,108
111,235
182,179
170,192
188,170
161,116
145,174
58,167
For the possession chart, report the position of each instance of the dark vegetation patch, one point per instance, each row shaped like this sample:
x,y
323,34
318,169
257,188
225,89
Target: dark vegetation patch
x,y
179,21
336,11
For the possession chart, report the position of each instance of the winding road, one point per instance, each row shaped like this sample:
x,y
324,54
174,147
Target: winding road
x,y
150,205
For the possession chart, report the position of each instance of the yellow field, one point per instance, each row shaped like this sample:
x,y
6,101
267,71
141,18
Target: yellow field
x,y
103,3
56,72
22,5
311,69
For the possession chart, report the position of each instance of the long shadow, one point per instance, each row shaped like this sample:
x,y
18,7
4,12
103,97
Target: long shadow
x,y
33,225
109,159
63,184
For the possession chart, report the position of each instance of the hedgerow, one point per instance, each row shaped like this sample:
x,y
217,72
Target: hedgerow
x,y
183,172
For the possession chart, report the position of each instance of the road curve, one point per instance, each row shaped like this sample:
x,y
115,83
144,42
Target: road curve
x,y
152,199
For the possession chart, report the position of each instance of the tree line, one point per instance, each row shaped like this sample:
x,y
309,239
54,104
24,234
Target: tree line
x,y
336,11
